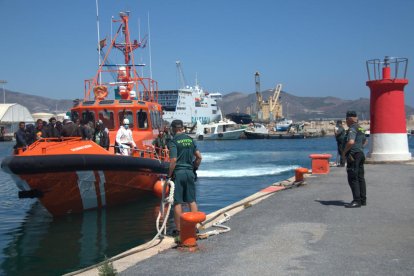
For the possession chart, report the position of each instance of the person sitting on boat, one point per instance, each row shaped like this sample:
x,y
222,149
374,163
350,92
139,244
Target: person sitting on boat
x,y
51,130
101,135
40,130
160,143
70,129
30,134
20,136
86,130
124,138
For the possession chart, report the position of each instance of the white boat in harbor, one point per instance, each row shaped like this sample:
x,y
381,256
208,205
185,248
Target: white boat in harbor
x,y
222,130
256,131
189,104
283,125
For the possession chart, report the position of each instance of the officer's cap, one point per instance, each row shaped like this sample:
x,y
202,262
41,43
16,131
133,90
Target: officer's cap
x,y
177,124
351,113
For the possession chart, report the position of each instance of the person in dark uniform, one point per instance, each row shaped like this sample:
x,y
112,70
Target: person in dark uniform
x,y
339,136
355,158
20,136
185,158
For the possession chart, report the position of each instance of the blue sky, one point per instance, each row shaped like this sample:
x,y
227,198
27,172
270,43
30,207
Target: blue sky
x,y
312,47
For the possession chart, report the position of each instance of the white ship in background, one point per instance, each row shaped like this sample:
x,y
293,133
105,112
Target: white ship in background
x,y
189,104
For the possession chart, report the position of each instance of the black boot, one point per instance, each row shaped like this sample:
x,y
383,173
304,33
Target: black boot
x,y
353,204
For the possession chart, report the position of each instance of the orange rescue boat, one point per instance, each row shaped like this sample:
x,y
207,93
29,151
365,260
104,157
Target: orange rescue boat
x,y
69,174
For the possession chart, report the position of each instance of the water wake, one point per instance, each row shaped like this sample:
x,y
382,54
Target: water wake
x,y
246,172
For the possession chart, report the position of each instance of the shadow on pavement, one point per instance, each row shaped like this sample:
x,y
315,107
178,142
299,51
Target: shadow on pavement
x,y
332,202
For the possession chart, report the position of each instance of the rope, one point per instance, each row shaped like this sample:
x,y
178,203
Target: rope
x,y
218,224
170,201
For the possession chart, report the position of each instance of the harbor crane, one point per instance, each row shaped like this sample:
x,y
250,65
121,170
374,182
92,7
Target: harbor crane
x,y
181,76
270,109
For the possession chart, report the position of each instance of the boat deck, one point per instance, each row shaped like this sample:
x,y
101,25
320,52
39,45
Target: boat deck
x,y
307,231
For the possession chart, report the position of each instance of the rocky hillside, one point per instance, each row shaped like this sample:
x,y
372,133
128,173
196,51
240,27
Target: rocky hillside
x,y
36,103
296,108
302,108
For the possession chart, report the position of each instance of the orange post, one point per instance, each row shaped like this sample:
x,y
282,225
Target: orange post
x,y
320,163
188,222
299,172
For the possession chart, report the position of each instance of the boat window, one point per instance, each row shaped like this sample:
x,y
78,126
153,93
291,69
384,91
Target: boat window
x,y
88,116
126,114
88,103
107,117
125,101
142,119
106,102
75,116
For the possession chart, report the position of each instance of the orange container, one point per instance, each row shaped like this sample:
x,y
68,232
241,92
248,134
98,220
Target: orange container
x,y
188,222
320,163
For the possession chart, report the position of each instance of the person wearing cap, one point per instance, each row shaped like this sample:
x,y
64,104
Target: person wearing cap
x,y
124,138
354,153
339,136
185,158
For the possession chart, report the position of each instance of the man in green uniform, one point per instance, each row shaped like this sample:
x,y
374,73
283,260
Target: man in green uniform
x,y
355,158
184,158
339,136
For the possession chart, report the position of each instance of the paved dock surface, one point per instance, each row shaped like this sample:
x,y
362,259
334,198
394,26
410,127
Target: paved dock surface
x,y
307,231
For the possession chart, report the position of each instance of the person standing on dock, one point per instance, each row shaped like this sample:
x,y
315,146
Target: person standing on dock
x,y
355,158
185,158
339,136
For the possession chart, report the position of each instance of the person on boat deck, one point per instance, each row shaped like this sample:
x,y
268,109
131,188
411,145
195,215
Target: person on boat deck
x,y
183,150
40,130
86,130
51,130
160,143
70,129
100,135
30,134
20,136
124,138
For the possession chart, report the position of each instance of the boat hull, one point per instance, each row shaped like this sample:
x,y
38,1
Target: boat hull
x,y
228,135
75,183
252,135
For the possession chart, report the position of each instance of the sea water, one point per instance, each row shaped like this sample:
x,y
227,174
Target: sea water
x,y
34,243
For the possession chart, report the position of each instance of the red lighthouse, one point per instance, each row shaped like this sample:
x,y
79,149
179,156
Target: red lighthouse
x,y
388,126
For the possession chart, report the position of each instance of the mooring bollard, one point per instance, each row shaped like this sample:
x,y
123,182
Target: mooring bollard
x,y
299,172
320,163
188,235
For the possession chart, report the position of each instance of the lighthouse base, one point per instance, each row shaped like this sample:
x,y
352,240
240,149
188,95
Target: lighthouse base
x,y
389,147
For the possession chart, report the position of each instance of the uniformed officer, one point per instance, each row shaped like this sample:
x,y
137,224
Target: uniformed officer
x,y
355,158
184,158
339,136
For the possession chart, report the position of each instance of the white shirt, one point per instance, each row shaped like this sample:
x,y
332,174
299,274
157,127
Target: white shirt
x,y
124,136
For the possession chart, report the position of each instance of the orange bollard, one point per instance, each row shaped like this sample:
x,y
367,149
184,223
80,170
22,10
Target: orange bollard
x,y
188,222
320,163
299,172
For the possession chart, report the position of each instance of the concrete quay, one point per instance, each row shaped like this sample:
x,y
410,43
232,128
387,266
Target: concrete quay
x,y
307,231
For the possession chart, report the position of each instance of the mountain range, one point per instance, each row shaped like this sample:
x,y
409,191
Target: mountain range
x,y
294,107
